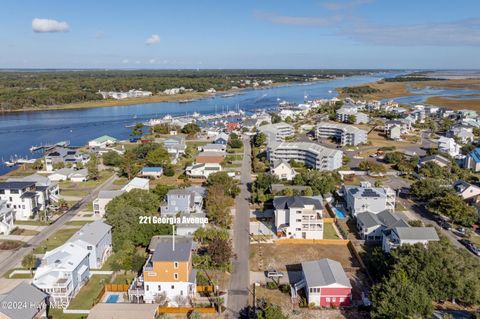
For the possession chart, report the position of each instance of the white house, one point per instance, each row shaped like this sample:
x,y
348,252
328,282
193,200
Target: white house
x,y
96,238
104,197
6,218
370,226
102,142
449,146
47,191
283,170
23,197
79,176
62,272
64,174
398,236
137,183
366,198
151,172
469,192
299,216
202,170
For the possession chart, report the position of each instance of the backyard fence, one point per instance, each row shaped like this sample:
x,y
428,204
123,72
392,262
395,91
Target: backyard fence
x,y
116,287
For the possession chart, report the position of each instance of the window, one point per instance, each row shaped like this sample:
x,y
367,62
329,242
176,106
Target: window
x,y
175,276
175,264
173,287
147,287
89,247
334,299
159,288
2,191
327,299
342,299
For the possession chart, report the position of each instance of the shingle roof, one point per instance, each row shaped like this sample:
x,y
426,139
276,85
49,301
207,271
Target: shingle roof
x,y
286,202
24,294
324,272
92,233
416,233
164,250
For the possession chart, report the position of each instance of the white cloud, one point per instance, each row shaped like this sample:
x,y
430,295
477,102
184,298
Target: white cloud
x,y
49,25
339,5
152,61
298,20
100,35
153,39
137,62
125,61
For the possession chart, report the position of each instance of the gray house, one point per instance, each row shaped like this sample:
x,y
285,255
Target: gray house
x,y
27,302
95,237
371,226
186,200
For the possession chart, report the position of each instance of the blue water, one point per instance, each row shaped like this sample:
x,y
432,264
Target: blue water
x,y
19,131
112,299
340,214
421,95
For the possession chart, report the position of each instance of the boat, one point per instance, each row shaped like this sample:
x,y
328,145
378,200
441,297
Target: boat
x,y
228,95
195,114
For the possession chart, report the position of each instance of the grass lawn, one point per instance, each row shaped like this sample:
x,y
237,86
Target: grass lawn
x,y
121,181
58,314
24,232
475,239
123,278
21,276
78,222
89,207
329,232
31,222
399,207
10,244
57,239
87,294
11,270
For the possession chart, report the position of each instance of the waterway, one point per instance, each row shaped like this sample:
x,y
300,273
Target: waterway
x,y
19,131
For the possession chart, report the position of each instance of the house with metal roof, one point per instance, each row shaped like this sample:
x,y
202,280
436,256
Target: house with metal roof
x,y
151,172
370,226
472,161
202,170
325,282
103,198
95,237
137,183
299,216
102,142
398,236
440,160
23,302
62,272
168,271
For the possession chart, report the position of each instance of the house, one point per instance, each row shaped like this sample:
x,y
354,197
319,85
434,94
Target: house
x,y
398,236
464,134
187,200
103,198
7,216
449,146
47,190
311,154
404,125
221,138
137,183
175,145
283,170
168,272
468,191
60,154
221,148
189,228
366,198
24,302
23,197
151,172
370,226
395,133
472,161
123,311
210,157
102,142
64,174
299,216
96,238
440,160
62,272
326,283
342,133
202,170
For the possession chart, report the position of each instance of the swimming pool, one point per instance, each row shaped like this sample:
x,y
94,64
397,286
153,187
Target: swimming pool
x,y
112,299
339,213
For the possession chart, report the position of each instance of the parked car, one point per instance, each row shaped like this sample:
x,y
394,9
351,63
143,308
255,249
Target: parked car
x,y
474,249
445,225
274,274
465,242
461,231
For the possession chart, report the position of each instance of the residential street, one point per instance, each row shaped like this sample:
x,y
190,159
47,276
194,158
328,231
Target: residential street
x,y
16,258
238,293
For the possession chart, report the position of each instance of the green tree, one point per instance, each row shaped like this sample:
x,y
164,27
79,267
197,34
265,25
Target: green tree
x,y
92,167
453,206
137,129
319,182
130,166
426,189
259,139
191,129
161,191
30,262
158,157
38,164
112,158
220,251
228,183
217,205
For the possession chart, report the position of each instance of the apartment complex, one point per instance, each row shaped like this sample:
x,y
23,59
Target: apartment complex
x,y
342,133
311,154
299,217
277,132
345,114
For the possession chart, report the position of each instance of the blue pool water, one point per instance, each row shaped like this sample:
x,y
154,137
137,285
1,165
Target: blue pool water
x,y
112,299
339,213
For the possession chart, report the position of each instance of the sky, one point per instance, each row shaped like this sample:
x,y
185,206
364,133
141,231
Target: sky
x,y
220,34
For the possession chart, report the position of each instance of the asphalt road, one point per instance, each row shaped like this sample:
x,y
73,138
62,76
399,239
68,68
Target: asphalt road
x,y
238,293
16,258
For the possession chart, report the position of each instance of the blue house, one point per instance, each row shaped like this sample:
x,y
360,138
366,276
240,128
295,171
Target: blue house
x,y
183,200
221,138
472,161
